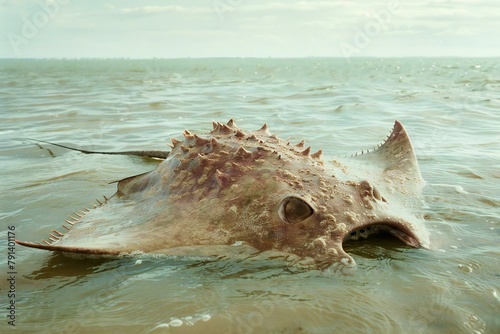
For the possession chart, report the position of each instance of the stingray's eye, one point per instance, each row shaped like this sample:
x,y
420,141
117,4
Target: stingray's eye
x,y
294,210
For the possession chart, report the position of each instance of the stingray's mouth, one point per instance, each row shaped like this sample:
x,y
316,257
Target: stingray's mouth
x,y
398,230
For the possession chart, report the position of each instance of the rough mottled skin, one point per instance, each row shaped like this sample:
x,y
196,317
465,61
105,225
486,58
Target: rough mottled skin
x,y
252,187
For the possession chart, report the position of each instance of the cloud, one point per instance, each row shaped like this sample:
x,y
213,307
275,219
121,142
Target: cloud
x,y
200,28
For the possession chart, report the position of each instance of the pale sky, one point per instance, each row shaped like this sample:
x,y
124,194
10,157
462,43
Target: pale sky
x,y
248,28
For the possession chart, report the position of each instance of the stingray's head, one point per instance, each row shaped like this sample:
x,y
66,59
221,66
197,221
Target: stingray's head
x,y
317,227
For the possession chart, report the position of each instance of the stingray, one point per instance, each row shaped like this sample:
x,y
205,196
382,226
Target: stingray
x,y
231,187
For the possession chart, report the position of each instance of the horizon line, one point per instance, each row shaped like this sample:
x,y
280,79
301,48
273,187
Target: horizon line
x,y
243,57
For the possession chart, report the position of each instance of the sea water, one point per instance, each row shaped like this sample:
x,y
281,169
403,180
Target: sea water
x,y
450,107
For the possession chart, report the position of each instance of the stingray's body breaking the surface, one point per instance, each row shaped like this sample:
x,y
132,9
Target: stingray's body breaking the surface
x,y
233,187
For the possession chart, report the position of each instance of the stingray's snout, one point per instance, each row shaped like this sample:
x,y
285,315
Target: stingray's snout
x,y
409,233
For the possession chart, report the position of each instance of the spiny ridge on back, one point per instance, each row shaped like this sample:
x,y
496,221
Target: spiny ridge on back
x,y
233,135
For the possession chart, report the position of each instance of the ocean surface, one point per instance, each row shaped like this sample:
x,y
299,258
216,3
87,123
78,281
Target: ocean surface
x,y
450,108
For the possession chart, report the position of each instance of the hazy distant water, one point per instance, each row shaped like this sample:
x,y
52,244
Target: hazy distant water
x,y
450,107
